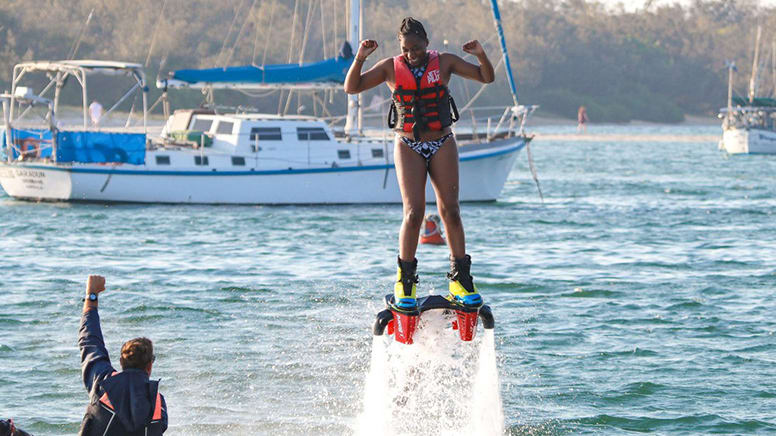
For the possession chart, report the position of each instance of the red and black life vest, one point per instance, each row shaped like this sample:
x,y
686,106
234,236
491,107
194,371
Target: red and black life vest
x,y
420,104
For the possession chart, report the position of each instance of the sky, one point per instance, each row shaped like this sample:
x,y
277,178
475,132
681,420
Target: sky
x,y
638,4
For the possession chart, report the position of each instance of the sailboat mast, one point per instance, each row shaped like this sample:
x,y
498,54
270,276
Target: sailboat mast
x,y
354,29
507,65
731,68
755,66
773,66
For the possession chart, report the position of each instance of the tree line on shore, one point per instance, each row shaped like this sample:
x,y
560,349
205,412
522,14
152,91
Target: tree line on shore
x,y
656,63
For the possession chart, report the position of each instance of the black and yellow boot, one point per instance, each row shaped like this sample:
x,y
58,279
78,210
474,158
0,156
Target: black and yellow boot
x,y
462,289
405,288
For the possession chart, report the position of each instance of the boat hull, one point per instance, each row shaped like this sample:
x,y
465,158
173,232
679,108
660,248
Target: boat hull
x,y
483,173
749,141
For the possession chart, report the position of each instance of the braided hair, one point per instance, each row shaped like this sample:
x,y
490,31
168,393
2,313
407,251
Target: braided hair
x,y
411,26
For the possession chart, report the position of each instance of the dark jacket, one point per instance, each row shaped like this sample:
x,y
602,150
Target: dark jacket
x,y
6,426
120,403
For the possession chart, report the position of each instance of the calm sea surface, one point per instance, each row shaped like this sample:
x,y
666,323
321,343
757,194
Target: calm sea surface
x,y
640,297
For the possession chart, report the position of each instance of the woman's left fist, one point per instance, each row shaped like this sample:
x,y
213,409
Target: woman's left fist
x,y
473,47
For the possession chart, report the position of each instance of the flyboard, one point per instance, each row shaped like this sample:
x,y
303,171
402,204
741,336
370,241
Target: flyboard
x,y
402,323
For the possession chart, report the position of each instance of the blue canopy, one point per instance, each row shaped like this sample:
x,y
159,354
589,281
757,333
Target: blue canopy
x,y
330,71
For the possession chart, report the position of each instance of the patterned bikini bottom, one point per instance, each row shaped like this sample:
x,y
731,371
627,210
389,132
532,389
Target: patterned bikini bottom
x,y
427,149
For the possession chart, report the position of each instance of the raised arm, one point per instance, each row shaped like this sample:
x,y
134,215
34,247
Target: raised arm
x,y
356,81
483,73
95,362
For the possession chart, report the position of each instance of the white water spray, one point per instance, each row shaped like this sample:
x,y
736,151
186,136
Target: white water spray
x,y
438,385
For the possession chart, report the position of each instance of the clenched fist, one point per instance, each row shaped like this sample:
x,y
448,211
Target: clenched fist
x,y
367,47
95,284
473,47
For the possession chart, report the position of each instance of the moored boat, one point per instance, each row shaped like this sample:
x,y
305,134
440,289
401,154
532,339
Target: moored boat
x,y
224,158
749,124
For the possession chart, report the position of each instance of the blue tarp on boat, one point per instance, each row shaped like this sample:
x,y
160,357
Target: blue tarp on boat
x,y
32,142
101,147
330,70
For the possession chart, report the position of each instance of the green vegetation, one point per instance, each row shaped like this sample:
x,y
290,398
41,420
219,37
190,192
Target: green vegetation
x,y
654,64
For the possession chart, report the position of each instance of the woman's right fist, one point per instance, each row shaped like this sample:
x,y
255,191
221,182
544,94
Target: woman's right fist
x,y
367,47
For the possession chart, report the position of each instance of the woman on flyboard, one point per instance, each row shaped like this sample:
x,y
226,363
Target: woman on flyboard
x,y
422,113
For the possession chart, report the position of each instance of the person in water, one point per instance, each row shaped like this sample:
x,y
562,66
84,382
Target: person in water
x,y
582,119
421,114
121,403
7,428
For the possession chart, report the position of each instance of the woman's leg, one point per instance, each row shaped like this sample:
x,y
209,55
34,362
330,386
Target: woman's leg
x,y
411,173
444,178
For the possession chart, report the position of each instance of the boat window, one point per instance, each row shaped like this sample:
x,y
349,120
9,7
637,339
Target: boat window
x,y
266,134
201,125
343,154
377,152
238,161
311,134
162,160
225,127
201,160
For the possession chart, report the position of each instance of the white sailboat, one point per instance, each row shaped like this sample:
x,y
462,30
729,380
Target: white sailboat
x,y
749,124
223,158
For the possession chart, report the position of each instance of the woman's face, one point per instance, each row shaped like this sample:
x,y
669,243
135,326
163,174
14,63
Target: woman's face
x,y
413,48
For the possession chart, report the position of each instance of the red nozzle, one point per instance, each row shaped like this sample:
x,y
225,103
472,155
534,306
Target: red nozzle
x,y
466,323
403,327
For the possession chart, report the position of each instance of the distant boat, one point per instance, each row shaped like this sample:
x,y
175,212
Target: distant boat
x,y
749,124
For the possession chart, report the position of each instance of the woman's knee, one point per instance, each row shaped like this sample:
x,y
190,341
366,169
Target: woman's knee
x,y
450,213
413,216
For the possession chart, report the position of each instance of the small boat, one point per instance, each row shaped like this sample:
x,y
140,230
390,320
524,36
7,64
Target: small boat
x,y
750,127
749,124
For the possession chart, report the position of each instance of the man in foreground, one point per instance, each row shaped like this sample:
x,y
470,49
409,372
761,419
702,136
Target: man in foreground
x,y
120,403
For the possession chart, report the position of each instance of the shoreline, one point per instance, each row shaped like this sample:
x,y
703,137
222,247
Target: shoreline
x,y
689,120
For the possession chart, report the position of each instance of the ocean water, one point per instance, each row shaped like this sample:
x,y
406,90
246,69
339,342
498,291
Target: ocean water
x,y
638,298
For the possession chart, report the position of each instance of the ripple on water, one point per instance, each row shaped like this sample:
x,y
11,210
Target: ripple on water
x,y
620,308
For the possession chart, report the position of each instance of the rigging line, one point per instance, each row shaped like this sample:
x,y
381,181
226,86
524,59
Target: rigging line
x,y
293,32
532,167
308,21
257,94
482,88
131,111
240,33
773,65
335,27
323,31
256,38
77,42
156,33
269,32
301,52
229,32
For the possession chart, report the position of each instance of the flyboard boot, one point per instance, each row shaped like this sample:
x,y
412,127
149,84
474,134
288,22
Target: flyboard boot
x,y
464,293
462,289
403,304
464,305
404,291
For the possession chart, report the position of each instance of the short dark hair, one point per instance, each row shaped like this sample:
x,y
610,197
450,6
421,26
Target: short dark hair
x,y
411,26
137,353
